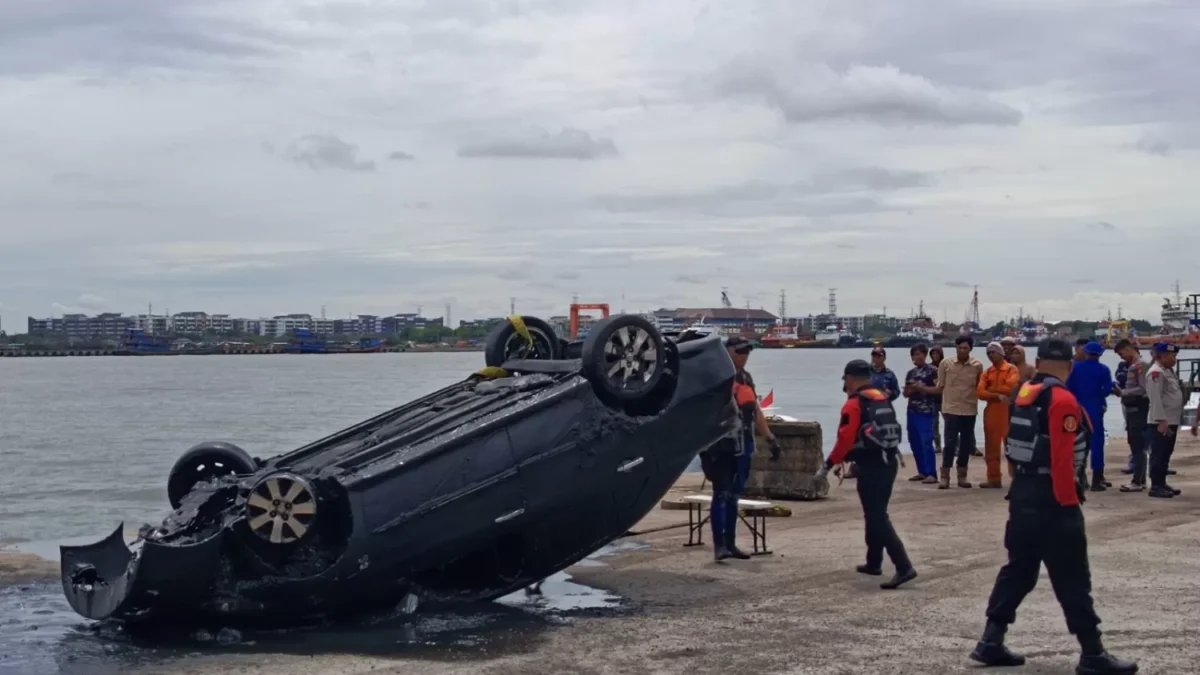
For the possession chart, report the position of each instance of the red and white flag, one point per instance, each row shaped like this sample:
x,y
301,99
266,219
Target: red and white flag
x,y
768,400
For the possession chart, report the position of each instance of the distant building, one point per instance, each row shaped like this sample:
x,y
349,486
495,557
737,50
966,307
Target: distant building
x,y
81,326
722,319
480,324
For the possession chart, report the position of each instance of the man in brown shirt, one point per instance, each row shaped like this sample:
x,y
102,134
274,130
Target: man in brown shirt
x,y
957,382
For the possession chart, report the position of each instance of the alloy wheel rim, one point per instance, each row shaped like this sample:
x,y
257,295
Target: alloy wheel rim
x,y
630,357
281,509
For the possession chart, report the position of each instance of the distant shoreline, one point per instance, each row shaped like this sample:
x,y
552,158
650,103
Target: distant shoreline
x,y
52,353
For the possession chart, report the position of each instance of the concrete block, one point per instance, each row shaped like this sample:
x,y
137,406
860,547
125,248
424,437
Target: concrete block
x,y
792,476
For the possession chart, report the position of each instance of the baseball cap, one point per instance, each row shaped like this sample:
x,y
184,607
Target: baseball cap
x,y
1094,348
857,368
878,351
1054,349
738,344
1166,348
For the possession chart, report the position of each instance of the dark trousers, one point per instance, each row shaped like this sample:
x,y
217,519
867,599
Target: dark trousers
x,y
1135,431
874,485
1055,536
959,441
720,468
1162,446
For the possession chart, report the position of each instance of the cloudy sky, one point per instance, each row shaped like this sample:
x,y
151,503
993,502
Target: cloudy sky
x,y
266,156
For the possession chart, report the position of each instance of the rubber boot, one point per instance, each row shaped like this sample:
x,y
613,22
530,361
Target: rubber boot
x,y
1098,482
990,651
1096,661
945,482
720,552
734,551
962,477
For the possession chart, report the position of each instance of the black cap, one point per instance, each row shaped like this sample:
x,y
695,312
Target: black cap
x,y
1054,349
738,343
857,368
880,351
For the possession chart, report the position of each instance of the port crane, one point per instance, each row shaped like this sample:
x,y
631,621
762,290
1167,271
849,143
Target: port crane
x,y
577,307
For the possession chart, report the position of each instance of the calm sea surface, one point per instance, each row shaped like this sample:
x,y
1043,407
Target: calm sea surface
x,y
87,442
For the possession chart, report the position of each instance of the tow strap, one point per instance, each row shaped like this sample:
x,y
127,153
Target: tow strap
x,y
495,372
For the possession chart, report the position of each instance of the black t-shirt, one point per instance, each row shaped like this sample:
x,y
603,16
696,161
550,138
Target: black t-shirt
x,y
748,416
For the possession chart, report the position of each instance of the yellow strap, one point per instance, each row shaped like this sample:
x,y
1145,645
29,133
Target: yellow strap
x,y
518,324
491,372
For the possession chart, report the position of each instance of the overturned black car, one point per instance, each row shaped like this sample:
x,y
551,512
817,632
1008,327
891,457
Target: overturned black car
x,y
485,487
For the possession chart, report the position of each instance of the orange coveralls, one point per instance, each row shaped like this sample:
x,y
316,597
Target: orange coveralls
x,y
996,381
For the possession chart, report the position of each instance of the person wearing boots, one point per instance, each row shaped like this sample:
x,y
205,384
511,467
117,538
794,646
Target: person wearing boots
x,y
752,420
1091,382
996,387
723,462
957,381
869,434
1048,440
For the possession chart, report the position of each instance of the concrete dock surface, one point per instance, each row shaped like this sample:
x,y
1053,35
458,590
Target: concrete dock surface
x,y
804,609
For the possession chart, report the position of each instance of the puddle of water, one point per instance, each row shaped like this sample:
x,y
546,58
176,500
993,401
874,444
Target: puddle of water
x,y
560,594
41,635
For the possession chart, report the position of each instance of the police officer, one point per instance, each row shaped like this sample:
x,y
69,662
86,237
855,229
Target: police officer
x,y
869,435
1048,440
1164,418
726,464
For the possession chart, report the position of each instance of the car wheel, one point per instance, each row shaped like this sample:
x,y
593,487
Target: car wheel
x,y
205,462
624,358
507,343
281,508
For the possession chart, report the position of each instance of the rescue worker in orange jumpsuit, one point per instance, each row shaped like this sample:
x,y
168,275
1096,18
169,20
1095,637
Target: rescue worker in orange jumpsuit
x,y
869,435
997,386
1048,444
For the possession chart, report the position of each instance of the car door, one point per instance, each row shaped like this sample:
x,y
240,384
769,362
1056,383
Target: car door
x,y
568,488
458,499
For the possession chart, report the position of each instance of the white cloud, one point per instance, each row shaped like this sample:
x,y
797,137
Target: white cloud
x,y
262,156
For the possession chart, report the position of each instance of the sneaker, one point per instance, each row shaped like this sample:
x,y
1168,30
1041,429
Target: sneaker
x,y
916,478
1132,487
930,480
1160,492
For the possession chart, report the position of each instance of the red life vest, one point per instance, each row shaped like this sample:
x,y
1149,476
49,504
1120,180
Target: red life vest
x,y
879,431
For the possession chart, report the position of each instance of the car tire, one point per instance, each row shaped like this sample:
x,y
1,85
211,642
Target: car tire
x,y
506,344
205,462
625,359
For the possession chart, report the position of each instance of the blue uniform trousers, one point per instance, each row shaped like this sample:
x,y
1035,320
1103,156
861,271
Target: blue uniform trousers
x,y
920,440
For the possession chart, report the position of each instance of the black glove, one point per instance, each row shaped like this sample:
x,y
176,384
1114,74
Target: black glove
x,y
775,449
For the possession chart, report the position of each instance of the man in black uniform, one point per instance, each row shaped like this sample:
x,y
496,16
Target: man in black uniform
x,y
1048,442
726,464
869,435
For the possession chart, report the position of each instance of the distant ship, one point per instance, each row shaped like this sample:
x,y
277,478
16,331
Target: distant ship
x,y
138,341
782,336
836,335
1177,317
920,329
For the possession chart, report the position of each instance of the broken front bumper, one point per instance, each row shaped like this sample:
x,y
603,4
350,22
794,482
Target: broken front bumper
x,y
108,579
